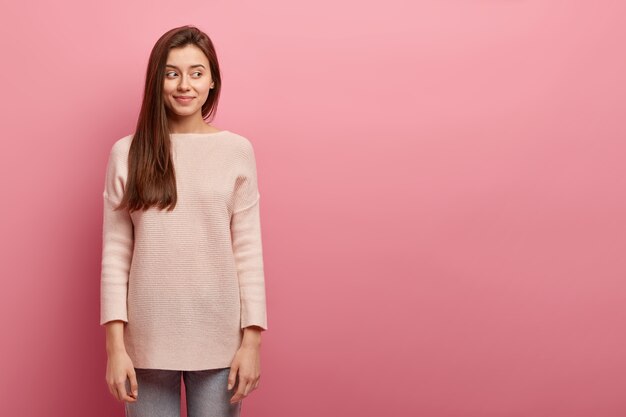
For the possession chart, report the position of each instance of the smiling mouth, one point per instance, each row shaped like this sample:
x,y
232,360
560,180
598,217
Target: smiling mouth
x,y
183,99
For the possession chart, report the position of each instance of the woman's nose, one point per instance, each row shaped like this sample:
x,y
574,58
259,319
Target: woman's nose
x,y
184,84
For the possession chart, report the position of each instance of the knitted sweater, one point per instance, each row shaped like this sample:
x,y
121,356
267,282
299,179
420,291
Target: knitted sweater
x,y
186,282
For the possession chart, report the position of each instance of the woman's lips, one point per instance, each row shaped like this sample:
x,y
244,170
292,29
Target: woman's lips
x,y
184,100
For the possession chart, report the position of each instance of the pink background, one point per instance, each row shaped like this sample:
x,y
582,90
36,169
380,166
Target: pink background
x,y
444,198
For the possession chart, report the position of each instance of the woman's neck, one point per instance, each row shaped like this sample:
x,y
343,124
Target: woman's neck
x,y
190,126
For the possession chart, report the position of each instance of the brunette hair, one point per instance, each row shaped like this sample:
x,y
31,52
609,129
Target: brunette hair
x,y
151,178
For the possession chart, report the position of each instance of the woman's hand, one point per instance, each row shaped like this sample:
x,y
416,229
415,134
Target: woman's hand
x,y
119,368
247,363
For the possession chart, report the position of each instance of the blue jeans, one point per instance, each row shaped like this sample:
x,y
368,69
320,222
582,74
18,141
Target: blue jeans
x,y
206,391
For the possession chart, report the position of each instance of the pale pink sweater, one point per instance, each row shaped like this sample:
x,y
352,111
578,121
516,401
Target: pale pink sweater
x,y
187,281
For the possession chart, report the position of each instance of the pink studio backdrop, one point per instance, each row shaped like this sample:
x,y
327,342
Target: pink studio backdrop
x,y
444,198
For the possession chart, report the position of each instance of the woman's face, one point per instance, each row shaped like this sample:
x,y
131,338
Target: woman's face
x,y
187,81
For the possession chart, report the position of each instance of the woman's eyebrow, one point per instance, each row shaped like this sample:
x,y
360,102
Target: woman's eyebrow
x,y
191,66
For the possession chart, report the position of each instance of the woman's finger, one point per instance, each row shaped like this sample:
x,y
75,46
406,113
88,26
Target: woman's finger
x,y
232,376
122,393
249,388
134,389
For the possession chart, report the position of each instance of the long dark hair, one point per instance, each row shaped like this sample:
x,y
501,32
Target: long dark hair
x,y
151,178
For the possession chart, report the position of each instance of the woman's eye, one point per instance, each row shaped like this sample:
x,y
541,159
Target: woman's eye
x,y
173,73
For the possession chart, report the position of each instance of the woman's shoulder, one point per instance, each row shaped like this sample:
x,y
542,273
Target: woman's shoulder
x,y
241,147
122,144
240,142
120,148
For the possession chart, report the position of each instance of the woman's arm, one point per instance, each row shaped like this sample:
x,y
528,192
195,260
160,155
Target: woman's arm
x,y
117,252
248,252
245,370
120,368
252,336
115,336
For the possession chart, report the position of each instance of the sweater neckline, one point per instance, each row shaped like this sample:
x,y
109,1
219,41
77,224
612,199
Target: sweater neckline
x,y
198,133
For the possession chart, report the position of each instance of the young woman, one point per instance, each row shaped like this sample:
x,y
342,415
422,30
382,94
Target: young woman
x,y
182,285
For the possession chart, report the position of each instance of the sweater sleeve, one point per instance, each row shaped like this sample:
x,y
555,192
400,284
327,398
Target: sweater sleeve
x,y
117,242
247,243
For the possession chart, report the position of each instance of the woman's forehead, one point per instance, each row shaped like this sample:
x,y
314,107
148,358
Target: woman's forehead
x,y
187,56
